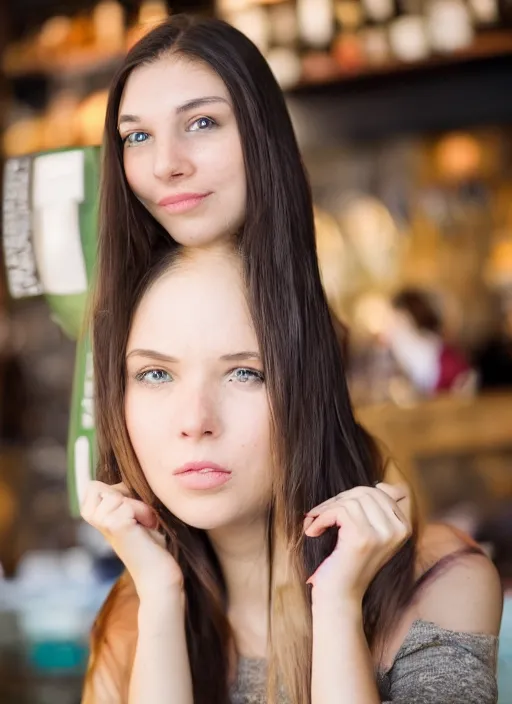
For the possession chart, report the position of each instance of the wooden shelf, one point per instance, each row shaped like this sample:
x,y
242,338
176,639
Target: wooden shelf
x,y
76,63
444,425
487,46
443,428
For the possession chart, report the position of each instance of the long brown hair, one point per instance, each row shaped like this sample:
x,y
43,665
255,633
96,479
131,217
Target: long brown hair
x,y
320,449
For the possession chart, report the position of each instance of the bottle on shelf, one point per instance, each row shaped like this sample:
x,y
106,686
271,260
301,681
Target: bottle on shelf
x,y
348,47
374,33
316,23
409,32
450,25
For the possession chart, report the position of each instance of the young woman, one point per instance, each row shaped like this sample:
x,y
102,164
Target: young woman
x,y
266,559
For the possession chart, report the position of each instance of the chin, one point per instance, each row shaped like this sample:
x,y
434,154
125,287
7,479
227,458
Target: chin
x,y
200,233
200,239
204,520
209,514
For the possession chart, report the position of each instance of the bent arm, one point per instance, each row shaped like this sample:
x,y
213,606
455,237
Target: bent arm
x,y
161,670
138,651
342,663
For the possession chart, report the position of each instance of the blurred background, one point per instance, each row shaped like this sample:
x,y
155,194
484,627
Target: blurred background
x,y
403,110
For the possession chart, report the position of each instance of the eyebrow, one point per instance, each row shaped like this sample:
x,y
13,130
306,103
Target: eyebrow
x,y
189,105
234,357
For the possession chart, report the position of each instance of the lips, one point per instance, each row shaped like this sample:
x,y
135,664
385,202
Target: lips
x,y
181,198
202,476
201,467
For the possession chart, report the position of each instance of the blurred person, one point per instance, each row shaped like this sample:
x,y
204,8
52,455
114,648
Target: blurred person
x,y
415,338
236,486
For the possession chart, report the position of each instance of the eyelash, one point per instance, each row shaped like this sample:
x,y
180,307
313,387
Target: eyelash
x,y
255,374
141,376
212,123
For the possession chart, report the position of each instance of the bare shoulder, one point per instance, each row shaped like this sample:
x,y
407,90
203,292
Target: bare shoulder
x,y
463,591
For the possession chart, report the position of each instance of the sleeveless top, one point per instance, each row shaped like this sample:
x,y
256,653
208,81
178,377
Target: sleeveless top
x,y
433,665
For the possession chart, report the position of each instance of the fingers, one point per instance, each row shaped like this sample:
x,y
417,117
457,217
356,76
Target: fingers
x,y
365,512
109,501
397,492
395,499
379,517
91,500
118,519
388,492
373,508
143,514
103,500
121,488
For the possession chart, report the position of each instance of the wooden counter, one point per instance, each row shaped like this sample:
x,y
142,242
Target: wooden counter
x,y
439,434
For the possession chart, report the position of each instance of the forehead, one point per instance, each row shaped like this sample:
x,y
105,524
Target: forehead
x,y
168,82
198,304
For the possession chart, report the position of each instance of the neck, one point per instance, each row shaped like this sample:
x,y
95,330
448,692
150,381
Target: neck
x,y
222,246
242,553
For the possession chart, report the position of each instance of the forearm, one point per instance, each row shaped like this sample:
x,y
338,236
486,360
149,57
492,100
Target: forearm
x,y
342,663
161,670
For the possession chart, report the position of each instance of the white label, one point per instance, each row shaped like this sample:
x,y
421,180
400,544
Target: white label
x,y
87,402
82,452
58,177
58,189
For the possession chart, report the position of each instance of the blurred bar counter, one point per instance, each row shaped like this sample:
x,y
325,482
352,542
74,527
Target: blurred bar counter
x,y
442,425
458,452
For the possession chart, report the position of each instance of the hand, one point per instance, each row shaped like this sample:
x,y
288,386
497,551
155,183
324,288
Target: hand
x,y
372,527
130,527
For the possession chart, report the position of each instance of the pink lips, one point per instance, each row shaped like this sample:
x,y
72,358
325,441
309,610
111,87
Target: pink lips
x,y
202,475
182,202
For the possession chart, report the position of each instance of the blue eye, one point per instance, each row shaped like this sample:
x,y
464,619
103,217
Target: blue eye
x,y
154,377
135,138
202,124
247,376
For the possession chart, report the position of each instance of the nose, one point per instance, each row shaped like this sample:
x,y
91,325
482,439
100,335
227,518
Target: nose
x,y
171,160
199,416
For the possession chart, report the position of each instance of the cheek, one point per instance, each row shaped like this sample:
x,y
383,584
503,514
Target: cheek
x,y
252,425
142,423
234,171
135,172
225,162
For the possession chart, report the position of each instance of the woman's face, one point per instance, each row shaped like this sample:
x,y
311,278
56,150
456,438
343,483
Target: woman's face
x,y
182,151
196,406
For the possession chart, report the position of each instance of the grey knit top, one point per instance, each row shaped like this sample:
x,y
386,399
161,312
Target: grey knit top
x,y
433,666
